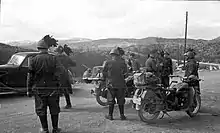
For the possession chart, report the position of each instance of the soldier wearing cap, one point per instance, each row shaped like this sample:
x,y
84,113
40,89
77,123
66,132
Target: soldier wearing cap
x,y
65,82
43,82
114,71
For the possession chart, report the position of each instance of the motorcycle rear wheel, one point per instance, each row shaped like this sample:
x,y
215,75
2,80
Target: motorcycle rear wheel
x,y
193,111
152,116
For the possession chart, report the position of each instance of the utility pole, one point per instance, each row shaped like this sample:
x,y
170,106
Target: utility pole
x,y
185,37
0,11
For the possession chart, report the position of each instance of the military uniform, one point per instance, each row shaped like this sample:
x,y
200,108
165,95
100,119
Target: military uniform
x,y
167,69
151,65
114,71
43,83
191,68
65,81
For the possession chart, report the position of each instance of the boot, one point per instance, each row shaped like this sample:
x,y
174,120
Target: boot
x,y
68,102
121,110
44,124
54,119
110,115
191,98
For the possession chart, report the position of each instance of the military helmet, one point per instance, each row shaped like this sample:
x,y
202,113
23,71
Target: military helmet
x,y
42,45
121,51
114,52
190,55
132,54
59,49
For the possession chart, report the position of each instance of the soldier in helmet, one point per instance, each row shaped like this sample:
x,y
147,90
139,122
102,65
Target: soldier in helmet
x,y
43,82
192,66
121,53
166,69
135,65
114,71
151,64
66,82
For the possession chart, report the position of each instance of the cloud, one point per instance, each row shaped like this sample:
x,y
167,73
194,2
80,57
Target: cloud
x,y
32,19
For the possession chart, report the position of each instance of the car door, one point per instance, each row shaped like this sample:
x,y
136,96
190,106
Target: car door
x,y
23,72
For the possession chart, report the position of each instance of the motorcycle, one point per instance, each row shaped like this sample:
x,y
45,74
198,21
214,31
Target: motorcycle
x,y
156,99
100,91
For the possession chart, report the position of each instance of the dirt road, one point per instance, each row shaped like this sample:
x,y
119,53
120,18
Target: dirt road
x,y
17,114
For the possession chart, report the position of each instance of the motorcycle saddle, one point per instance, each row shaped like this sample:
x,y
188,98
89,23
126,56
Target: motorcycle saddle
x,y
180,86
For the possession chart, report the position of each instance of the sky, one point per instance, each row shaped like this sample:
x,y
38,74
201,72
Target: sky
x,y
98,19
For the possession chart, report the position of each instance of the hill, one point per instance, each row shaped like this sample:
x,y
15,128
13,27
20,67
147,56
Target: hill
x,y
6,51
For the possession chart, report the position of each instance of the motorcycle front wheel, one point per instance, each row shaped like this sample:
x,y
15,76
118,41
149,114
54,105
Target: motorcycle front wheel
x,y
147,112
101,97
194,109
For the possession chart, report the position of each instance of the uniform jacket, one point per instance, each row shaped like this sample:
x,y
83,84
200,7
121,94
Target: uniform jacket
x,y
44,73
167,68
192,66
135,65
150,65
65,61
114,71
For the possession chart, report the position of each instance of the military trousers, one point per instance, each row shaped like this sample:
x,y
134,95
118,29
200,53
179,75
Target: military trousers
x,y
116,93
43,101
165,80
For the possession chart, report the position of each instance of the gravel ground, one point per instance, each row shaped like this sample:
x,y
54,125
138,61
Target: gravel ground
x,y
17,114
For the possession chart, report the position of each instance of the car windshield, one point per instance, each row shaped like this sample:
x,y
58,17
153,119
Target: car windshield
x,y
16,60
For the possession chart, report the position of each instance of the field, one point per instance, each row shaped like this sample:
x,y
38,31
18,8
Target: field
x,y
17,114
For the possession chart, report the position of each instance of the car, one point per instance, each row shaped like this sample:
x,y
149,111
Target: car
x,y
13,74
89,75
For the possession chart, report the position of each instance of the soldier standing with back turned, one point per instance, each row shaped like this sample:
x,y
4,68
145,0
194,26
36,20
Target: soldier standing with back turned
x,y
65,84
43,83
114,71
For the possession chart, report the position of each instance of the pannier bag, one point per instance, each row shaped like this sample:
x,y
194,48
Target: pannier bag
x,y
139,79
151,79
145,78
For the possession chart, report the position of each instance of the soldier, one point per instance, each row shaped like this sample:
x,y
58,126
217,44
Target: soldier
x,y
192,67
114,71
135,65
43,82
67,50
151,64
66,83
167,69
121,53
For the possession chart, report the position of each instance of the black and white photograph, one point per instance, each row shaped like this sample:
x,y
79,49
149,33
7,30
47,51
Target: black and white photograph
x,y
109,66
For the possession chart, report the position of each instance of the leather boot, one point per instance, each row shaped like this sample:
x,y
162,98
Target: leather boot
x,y
68,102
191,98
110,115
121,110
44,124
54,119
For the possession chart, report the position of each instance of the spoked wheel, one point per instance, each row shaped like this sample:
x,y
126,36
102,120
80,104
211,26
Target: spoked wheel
x,y
147,112
194,109
101,97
